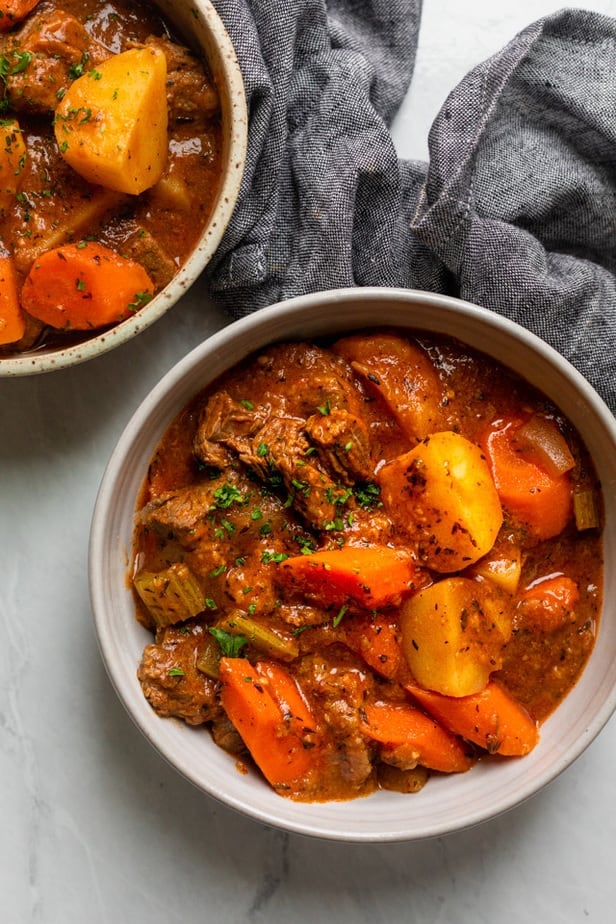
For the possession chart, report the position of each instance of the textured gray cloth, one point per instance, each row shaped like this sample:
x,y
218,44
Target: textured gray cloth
x,y
516,209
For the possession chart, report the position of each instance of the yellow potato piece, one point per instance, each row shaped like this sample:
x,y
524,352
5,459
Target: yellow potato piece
x,y
503,567
12,159
442,495
111,125
453,634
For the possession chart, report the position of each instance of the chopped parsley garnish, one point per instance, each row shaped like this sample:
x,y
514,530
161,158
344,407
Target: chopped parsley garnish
x,y
230,645
227,495
275,557
368,495
139,300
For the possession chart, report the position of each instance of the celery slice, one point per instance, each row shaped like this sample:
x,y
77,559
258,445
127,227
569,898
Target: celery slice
x,y
274,644
586,509
172,595
208,659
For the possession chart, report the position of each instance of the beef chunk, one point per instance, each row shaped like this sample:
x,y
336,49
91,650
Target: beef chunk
x,y
306,431
181,513
191,95
61,49
339,687
225,424
227,737
147,250
170,679
343,444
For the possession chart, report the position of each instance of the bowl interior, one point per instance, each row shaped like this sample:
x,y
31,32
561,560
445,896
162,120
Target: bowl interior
x,y
447,803
198,24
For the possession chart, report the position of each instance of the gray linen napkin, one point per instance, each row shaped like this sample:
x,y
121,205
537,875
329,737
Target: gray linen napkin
x,y
515,211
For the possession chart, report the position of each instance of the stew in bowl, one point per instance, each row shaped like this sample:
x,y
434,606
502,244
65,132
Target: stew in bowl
x,y
317,559
115,182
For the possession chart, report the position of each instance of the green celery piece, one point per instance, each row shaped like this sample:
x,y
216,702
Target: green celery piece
x,y
172,595
271,643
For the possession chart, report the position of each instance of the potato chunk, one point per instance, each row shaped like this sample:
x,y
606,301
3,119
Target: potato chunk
x,y
442,495
111,125
453,633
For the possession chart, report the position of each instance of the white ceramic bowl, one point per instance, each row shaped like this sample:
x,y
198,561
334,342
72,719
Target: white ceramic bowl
x,y
447,803
198,24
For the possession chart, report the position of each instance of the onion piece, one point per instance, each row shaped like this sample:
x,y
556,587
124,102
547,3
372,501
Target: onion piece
x,y
541,436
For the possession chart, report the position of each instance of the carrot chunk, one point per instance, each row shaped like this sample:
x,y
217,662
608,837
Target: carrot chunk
x,y
372,577
377,640
407,736
13,11
266,707
403,374
539,500
491,718
12,319
84,286
548,603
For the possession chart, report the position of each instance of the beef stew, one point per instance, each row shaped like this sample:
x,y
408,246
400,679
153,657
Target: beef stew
x,y
366,562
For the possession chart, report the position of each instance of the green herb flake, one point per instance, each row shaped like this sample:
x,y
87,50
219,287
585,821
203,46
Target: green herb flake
x,y
368,495
230,645
275,557
227,495
139,300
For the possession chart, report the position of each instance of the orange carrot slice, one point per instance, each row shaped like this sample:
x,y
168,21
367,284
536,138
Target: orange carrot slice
x,y
548,603
372,577
491,718
266,707
13,11
541,501
84,286
377,640
407,735
12,318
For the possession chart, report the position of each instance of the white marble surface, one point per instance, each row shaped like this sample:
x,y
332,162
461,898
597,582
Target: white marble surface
x,y
95,827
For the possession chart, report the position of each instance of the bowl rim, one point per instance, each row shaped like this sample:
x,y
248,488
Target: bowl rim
x,y
227,66
257,327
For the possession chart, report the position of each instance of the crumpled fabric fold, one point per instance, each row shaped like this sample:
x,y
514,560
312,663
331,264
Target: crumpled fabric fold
x,y
515,209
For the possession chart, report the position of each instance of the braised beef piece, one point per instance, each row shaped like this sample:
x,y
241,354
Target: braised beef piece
x,y
227,737
339,687
61,50
191,96
181,514
225,427
306,430
170,679
342,443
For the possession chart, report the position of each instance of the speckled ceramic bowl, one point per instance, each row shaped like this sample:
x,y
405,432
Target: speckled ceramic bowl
x,y
447,803
200,26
